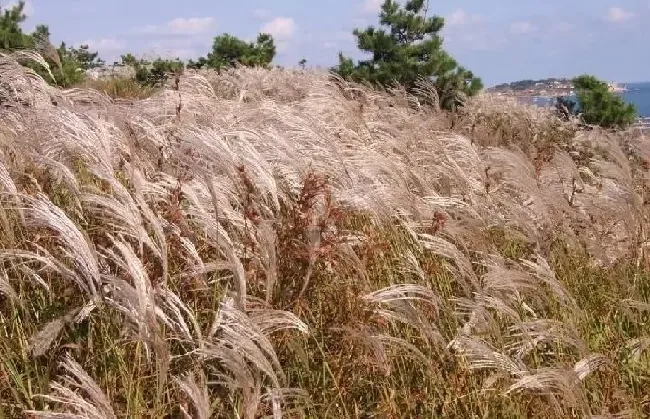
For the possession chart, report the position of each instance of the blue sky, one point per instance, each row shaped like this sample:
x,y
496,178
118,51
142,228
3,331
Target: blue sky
x,y
500,40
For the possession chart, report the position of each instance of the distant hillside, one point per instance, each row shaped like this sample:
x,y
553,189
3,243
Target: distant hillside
x,y
523,85
550,87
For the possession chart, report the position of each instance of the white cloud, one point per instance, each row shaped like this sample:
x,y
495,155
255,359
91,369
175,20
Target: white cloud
x,y
105,44
28,10
343,36
172,53
181,26
281,28
465,31
461,17
181,47
561,28
618,15
262,14
457,18
360,22
372,6
109,49
337,39
479,41
522,27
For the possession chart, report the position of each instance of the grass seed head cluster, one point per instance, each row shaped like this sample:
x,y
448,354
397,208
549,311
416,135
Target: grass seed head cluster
x,y
282,243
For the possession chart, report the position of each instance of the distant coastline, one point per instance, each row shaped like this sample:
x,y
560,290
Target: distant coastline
x,y
545,88
544,92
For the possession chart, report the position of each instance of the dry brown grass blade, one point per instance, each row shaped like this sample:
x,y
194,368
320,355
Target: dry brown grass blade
x,y
78,394
555,384
204,193
40,212
134,296
239,343
6,289
45,48
197,390
21,74
41,342
481,355
528,335
637,347
397,304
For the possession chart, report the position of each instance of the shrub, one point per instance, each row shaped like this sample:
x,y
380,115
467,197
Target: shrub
x,y
432,276
229,51
408,51
68,64
597,105
153,73
11,34
121,87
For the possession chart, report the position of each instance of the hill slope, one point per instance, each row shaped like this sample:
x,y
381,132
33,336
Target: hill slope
x,y
260,240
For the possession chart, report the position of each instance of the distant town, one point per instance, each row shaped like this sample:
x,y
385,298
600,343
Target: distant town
x,y
549,88
543,92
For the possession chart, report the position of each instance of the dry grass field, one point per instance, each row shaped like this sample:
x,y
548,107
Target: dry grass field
x,y
278,243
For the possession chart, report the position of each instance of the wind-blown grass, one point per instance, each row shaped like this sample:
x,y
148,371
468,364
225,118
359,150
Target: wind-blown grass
x,y
282,243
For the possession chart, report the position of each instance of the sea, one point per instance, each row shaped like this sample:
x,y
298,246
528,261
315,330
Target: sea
x,y
637,94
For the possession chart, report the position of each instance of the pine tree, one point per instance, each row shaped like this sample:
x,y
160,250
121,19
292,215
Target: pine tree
x,y
11,33
229,51
153,73
597,105
408,49
67,64
201,62
86,58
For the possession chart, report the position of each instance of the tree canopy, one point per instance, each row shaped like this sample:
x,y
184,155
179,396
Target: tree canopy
x,y
11,33
229,51
597,105
407,49
153,73
68,63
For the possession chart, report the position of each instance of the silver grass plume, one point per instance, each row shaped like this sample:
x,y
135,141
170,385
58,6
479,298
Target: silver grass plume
x,y
78,394
135,297
196,389
240,344
42,213
136,300
21,84
528,335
